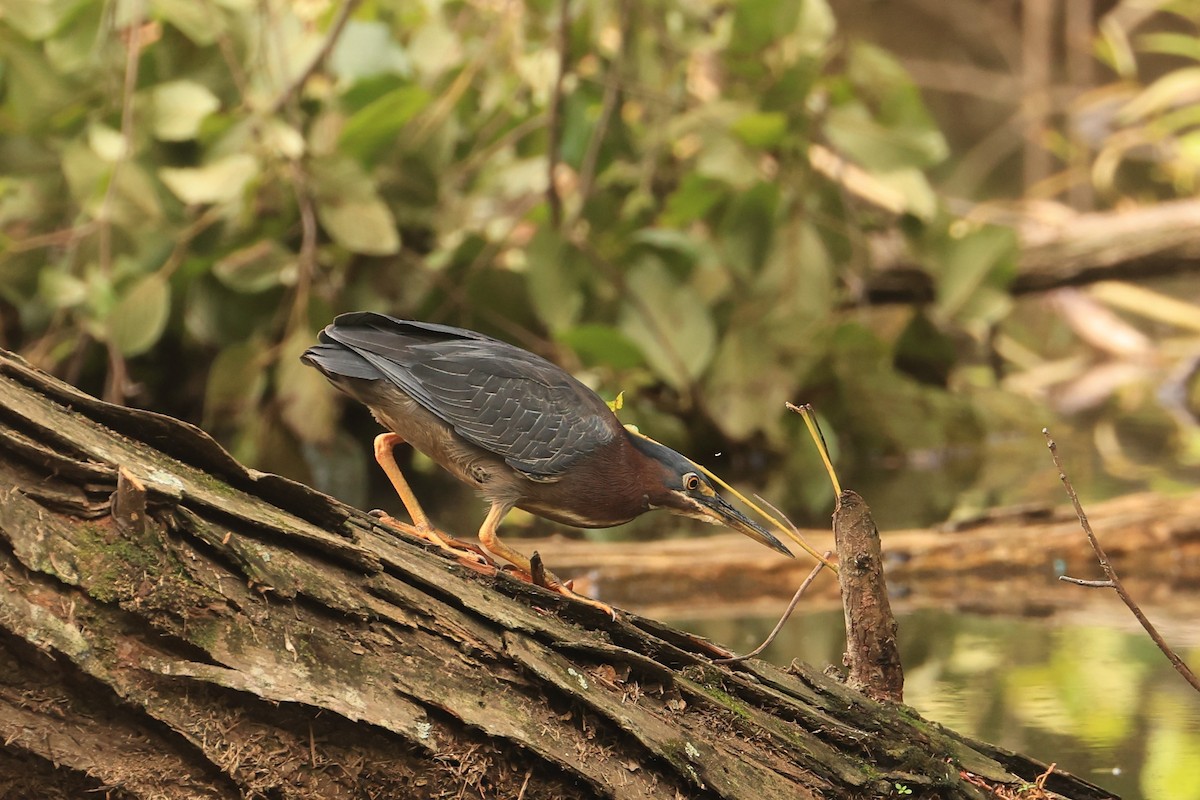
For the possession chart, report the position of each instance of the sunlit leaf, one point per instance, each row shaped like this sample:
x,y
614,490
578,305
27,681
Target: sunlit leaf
x,y
376,125
106,142
367,48
351,211
218,182
362,225
692,199
256,267
61,289
137,320
1174,44
854,132
1176,88
763,129
38,20
815,27
200,22
179,108
920,199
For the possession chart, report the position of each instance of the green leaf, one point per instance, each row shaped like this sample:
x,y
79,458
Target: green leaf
x,y
602,344
553,275
235,382
365,49
1174,44
200,22
1176,88
692,199
758,23
747,385
40,19
256,267
764,129
139,317
920,199
179,108
378,123
854,132
971,263
307,401
60,289
351,211
748,227
221,181
670,324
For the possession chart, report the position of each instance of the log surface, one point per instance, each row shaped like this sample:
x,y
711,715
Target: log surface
x,y
174,625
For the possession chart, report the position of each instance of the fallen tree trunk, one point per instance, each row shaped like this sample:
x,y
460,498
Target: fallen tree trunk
x,y
1006,562
175,625
1067,249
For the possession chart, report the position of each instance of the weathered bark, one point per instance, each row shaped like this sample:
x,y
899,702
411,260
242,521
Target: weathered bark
x,y
213,632
872,655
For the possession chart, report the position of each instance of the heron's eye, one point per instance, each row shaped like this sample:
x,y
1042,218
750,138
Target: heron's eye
x,y
691,481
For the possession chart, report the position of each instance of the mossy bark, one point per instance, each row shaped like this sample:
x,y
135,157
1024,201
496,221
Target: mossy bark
x,y
213,632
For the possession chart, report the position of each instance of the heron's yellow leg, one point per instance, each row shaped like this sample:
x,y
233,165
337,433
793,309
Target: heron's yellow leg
x,y
421,526
491,541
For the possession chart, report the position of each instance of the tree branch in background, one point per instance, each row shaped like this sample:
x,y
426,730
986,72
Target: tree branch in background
x,y
554,123
335,32
1114,581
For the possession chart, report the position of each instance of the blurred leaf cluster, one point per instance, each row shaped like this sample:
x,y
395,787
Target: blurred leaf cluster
x,y
1145,124
657,195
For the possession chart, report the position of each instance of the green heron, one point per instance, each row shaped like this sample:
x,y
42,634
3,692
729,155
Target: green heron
x,y
512,425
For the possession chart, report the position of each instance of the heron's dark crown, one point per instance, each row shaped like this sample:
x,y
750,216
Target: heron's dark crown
x,y
662,470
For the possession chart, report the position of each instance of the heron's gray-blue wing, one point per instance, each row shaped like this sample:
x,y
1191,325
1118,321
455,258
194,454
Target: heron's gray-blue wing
x,y
508,401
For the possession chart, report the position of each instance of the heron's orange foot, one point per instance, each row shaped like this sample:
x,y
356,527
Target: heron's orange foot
x,y
538,575
465,553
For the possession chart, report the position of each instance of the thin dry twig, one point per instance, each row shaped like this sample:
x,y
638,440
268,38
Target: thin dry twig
x,y
612,94
1114,580
812,576
554,121
117,379
331,38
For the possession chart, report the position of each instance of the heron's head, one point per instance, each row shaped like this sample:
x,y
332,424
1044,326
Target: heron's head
x,y
675,483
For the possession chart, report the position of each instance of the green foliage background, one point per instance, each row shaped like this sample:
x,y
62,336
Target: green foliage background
x,y
192,188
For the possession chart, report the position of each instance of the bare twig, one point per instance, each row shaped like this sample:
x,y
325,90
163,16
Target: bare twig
x,y
554,122
812,575
307,260
809,415
612,93
133,51
1114,580
1089,584
331,38
116,380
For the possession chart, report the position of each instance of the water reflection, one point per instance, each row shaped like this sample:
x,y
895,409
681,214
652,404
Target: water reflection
x,y
1101,702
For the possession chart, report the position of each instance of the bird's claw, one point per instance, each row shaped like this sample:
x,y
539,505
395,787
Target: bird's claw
x,y
463,552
